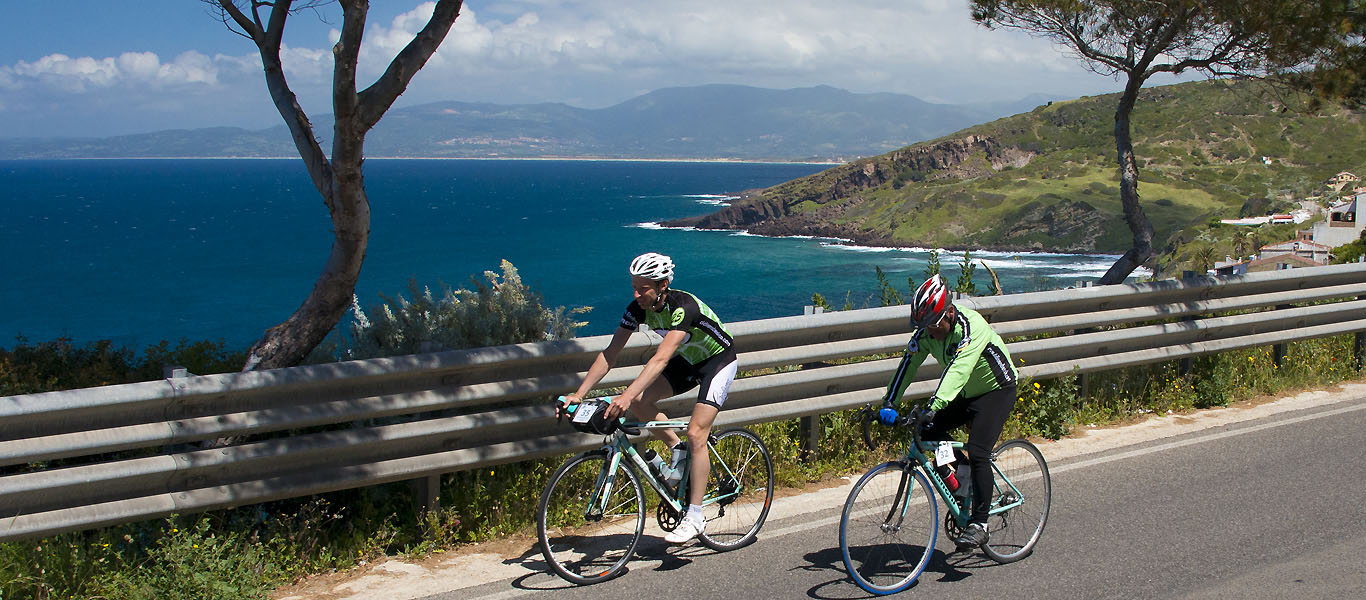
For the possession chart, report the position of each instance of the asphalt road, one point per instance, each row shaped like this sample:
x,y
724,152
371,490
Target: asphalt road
x,y
1272,508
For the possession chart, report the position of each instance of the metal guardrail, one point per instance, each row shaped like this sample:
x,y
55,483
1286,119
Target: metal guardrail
x,y
102,456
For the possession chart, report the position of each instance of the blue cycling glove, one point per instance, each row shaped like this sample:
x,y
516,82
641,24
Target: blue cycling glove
x,y
887,416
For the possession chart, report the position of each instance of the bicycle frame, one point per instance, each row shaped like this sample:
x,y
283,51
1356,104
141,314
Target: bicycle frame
x,y
959,514
918,454
618,445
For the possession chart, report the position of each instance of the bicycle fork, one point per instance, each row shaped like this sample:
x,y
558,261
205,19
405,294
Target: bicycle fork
x,y
897,513
602,489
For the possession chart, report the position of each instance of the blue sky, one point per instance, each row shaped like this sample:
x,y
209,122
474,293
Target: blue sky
x,y
88,68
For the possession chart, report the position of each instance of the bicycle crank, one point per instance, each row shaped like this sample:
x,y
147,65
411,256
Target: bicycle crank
x,y
668,518
951,527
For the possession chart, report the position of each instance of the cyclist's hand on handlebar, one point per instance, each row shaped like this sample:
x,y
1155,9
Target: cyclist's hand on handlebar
x,y
619,406
887,415
926,417
562,405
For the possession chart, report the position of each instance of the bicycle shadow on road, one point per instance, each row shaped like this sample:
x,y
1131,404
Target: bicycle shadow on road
x,y
943,567
649,550
671,558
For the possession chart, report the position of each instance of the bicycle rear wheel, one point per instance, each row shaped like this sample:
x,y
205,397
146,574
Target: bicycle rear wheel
x,y
741,479
888,528
1021,479
583,538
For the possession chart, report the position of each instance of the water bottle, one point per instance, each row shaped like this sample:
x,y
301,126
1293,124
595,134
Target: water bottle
x,y
946,473
656,463
680,458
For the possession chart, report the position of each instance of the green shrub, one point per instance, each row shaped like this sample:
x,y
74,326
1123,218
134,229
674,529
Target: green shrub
x,y
196,563
61,364
500,310
1043,409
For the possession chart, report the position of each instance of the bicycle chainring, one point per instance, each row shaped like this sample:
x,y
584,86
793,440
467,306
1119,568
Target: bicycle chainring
x,y
951,527
668,518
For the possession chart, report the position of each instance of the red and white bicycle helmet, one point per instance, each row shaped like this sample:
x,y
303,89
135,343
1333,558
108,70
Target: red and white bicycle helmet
x,y
930,302
654,266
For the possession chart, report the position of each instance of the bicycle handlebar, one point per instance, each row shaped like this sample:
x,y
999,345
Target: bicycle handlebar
x,y
868,416
564,409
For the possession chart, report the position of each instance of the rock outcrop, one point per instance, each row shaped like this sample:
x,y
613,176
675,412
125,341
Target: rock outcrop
x,y
815,204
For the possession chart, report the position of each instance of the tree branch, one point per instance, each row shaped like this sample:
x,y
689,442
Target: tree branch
x,y
377,98
268,46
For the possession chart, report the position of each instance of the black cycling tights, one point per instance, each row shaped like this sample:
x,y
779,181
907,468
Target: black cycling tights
x,y
987,414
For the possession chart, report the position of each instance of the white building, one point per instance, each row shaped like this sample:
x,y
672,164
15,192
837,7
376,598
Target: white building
x,y
1342,226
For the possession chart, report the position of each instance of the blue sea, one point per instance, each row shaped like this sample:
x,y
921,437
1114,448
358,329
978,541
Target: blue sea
x,y
139,251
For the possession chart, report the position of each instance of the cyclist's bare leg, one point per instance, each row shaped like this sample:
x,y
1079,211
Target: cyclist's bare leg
x,y
647,409
699,427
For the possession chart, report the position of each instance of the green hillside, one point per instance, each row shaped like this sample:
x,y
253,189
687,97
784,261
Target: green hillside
x,y
1047,180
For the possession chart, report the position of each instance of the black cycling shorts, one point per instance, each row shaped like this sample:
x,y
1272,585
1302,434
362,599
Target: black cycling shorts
x,y
712,375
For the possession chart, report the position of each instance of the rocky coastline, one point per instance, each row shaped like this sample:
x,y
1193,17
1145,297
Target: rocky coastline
x,y
819,205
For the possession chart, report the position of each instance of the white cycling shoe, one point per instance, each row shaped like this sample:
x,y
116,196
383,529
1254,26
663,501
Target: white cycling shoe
x,y
686,531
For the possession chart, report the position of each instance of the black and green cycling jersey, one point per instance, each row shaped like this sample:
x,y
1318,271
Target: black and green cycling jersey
x,y
682,311
974,358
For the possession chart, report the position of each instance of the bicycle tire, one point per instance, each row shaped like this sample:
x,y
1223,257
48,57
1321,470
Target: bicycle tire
x,y
585,551
887,530
735,523
1014,533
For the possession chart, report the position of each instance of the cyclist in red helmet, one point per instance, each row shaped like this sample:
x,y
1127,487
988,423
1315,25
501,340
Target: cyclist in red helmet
x,y
977,387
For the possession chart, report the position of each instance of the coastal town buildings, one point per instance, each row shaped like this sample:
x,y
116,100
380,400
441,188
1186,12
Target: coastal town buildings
x,y
1342,225
1312,247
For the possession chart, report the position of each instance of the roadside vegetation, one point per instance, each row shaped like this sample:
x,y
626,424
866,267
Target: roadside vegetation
x,y
247,552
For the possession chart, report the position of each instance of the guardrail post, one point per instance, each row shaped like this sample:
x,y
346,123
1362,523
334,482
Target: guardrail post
x,y
1278,351
809,427
1082,385
1359,347
810,437
427,491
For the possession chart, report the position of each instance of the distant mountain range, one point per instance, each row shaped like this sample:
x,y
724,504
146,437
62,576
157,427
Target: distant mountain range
x,y
710,121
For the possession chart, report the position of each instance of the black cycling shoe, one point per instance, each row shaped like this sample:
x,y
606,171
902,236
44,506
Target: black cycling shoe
x,y
973,537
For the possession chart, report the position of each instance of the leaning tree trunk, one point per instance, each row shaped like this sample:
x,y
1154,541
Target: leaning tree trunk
x,y
339,181
1134,216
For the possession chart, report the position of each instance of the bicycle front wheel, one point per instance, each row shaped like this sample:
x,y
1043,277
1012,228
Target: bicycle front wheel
x,y
888,528
590,520
1023,488
739,490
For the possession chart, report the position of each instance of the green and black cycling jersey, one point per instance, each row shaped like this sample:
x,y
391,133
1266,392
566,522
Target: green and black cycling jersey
x,y
707,336
974,358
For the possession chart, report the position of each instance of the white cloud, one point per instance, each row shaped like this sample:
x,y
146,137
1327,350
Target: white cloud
x,y
86,74
540,50
593,53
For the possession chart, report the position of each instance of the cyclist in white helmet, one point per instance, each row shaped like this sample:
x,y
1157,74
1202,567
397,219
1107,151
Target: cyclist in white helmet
x,y
697,351
977,388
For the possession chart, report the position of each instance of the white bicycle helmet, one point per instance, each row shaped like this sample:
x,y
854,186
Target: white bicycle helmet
x,y
654,266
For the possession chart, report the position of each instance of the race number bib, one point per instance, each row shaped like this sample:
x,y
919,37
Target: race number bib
x,y
586,411
943,455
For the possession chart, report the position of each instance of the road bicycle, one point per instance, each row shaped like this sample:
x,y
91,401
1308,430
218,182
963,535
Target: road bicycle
x,y
891,520
592,512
